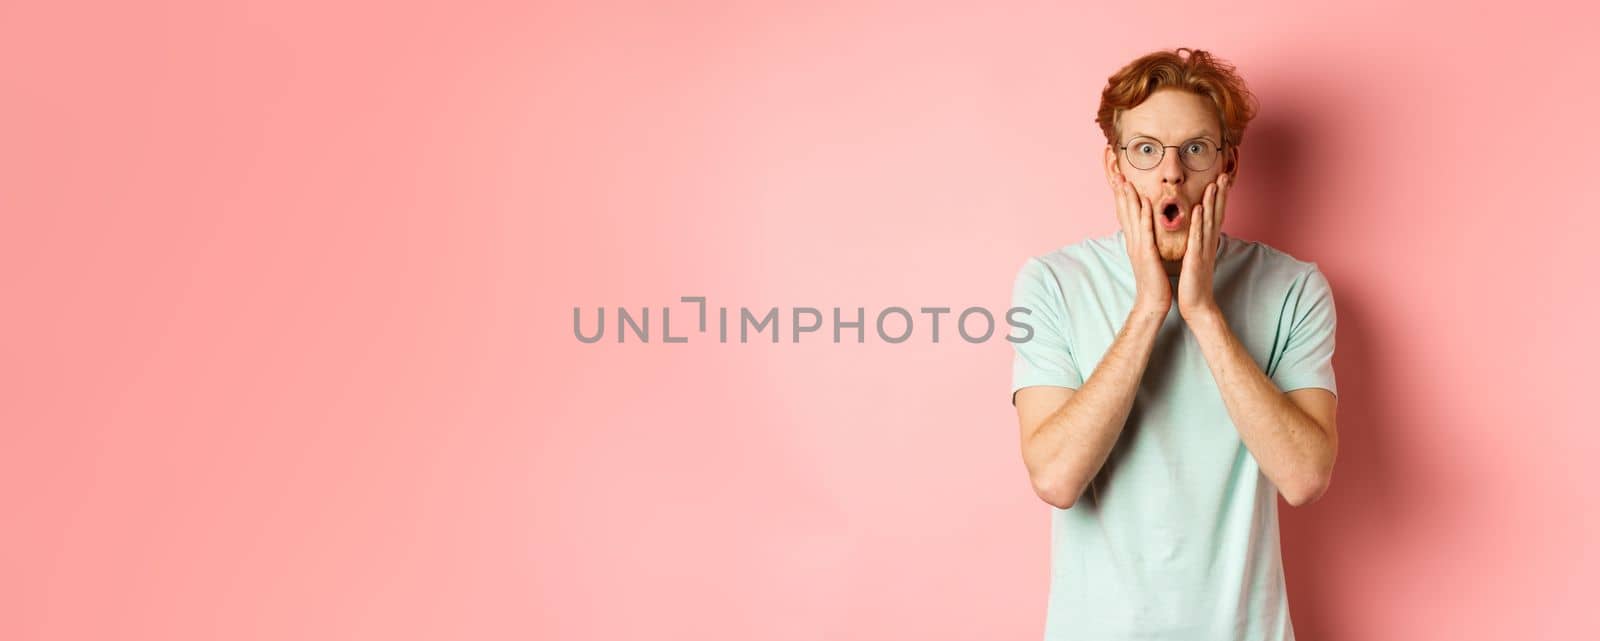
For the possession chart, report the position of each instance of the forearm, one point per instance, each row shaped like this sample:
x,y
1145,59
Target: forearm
x,y
1074,442
1293,451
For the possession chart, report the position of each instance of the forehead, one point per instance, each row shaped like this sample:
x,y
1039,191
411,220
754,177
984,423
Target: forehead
x,y
1171,114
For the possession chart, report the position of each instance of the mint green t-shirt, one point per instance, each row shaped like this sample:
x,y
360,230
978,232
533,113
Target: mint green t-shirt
x,y
1177,535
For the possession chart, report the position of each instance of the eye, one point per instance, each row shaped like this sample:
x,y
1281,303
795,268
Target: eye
x,y
1197,148
1145,148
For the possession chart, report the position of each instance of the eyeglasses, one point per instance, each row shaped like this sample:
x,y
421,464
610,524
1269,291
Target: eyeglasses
x,y
1145,153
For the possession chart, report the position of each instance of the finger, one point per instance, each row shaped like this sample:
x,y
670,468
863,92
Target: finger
x,y
1222,201
1135,217
1210,213
1217,213
1196,233
1147,216
1133,207
1125,207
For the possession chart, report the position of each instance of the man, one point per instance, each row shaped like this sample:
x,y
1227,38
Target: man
x,y
1177,380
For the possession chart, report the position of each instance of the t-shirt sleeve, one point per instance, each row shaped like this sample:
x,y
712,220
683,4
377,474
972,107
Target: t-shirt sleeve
x,y
1307,357
1043,347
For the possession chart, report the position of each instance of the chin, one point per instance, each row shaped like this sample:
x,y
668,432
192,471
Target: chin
x,y
1174,251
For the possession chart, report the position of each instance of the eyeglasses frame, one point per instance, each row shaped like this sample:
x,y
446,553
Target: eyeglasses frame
x,y
1220,148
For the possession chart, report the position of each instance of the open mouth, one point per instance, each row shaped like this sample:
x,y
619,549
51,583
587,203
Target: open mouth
x,y
1172,217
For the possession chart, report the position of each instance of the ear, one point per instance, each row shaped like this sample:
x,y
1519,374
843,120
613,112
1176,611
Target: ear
x,y
1113,170
1233,162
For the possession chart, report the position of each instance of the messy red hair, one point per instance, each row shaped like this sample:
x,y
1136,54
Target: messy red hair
x,y
1198,72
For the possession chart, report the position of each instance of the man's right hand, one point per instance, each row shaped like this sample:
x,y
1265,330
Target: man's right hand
x,y
1137,216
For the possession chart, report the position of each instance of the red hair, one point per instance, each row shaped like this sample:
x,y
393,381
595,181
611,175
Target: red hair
x,y
1198,72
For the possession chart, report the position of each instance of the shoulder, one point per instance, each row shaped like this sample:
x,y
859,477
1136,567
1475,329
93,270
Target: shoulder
x,y
1088,258
1264,263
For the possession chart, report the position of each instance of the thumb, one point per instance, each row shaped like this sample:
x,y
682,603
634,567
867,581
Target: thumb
x,y
1195,239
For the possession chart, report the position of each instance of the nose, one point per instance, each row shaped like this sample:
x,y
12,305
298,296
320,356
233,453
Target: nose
x,y
1171,168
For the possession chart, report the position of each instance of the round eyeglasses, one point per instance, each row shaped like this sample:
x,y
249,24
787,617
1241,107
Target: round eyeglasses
x,y
1145,153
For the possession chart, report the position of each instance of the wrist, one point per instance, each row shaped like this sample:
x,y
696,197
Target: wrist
x,y
1150,309
1204,315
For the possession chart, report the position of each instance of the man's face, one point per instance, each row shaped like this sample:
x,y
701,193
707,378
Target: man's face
x,y
1170,117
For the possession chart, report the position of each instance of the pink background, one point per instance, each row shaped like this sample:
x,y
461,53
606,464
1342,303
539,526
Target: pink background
x,y
289,350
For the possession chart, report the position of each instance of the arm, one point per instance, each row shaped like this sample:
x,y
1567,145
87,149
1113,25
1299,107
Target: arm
x,y
1293,436
1068,434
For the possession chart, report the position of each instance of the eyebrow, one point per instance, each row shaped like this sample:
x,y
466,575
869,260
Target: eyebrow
x,y
1203,134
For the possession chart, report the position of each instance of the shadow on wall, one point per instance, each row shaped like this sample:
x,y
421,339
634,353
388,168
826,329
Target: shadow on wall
x,y
1378,490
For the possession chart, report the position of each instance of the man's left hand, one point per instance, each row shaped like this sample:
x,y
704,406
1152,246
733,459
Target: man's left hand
x,y
1195,296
